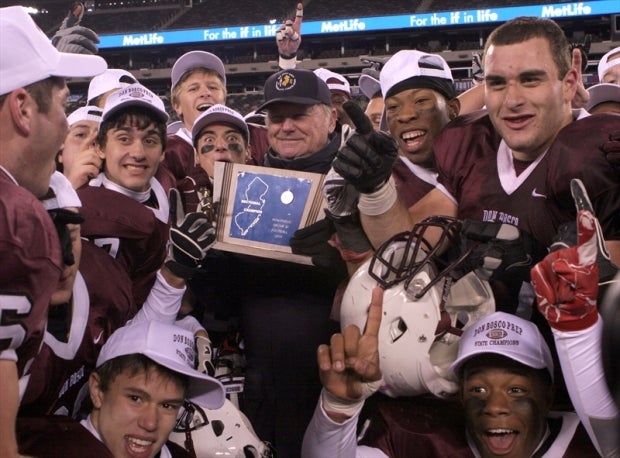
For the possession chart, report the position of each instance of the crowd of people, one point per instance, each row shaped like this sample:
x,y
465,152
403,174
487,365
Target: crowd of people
x,y
111,277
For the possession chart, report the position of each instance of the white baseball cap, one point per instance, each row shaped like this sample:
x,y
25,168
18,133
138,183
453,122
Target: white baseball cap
x,y
196,59
369,85
335,81
174,127
409,69
603,92
63,195
605,64
170,346
112,78
28,56
220,113
87,113
506,335
134,95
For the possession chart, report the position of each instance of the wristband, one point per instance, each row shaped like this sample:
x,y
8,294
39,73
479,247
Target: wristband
x,y
380,201
333,404
349,407
287,62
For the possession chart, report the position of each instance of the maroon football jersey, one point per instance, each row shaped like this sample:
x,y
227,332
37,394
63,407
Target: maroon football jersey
x,y
58,437
179,157
63,437
102,302
478,170
412,183
131,232
259,143
30,268
416,426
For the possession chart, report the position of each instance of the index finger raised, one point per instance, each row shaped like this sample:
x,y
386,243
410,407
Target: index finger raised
x,y
375,310
299,15
362,123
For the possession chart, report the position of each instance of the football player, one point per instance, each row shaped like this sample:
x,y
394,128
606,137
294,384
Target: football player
x,y
144,373
511,163
125,208
93,299
505,376
33,94
78,159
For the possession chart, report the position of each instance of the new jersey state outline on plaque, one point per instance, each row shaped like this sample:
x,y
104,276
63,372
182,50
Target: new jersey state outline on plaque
x,y
268,208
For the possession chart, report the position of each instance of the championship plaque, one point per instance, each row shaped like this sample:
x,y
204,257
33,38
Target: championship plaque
x,y
260,208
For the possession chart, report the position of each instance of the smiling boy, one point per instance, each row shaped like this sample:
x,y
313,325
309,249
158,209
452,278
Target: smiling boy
x,y
126,208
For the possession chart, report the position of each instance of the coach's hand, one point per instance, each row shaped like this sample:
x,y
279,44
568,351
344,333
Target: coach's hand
x,y
367,158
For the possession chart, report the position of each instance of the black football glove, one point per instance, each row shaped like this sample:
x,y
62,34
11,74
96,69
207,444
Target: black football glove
x,y
313,241
76,40
367,158
499,250
191,236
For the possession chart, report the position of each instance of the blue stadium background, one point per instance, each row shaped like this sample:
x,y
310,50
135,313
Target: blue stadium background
x,y
249,61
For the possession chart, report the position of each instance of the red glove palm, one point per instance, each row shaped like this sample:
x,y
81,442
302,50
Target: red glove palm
x,y
566,281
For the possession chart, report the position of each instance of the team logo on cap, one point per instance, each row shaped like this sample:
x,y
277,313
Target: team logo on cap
x,y
136,95
189,351
496,334
285,81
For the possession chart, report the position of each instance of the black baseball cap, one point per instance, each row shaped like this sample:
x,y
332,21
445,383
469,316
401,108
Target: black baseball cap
x,y
296,86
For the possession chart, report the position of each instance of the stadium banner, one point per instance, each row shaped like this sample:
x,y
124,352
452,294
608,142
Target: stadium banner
x,y
260,208
365,24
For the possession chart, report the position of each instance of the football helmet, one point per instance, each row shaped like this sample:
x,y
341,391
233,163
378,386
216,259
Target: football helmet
x,y
425,309
224,432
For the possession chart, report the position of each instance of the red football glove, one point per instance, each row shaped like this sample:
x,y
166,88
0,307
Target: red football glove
x,y
566,281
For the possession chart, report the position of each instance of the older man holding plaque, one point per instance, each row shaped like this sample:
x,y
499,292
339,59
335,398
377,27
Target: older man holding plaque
x,y
285,307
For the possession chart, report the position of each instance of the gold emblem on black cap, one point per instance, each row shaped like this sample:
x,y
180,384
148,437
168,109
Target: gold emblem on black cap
x,y
285,81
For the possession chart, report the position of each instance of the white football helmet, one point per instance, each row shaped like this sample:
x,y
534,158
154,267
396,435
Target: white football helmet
x,y
424,311
224,432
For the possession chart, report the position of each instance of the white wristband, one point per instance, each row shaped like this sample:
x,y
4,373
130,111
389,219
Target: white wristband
x,y
348,407
287,64
380,201
342,406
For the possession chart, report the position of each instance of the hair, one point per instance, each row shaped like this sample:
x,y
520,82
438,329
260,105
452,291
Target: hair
x,y
134,116
206,71
136,363
41,92
526,28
